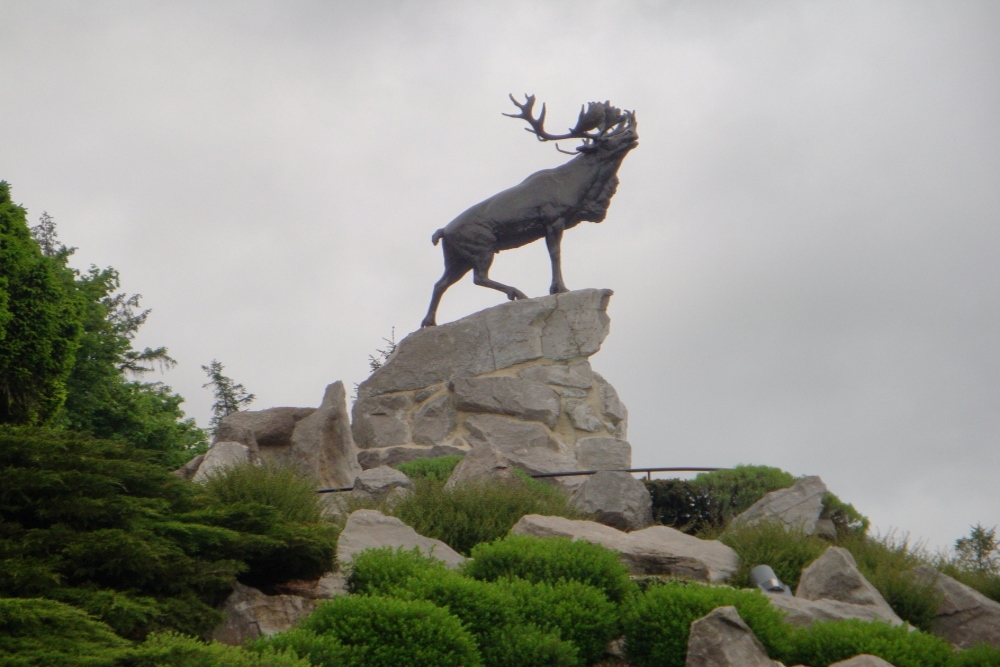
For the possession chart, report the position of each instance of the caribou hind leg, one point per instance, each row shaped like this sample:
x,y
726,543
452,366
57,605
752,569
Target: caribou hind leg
x,y
452,274
481,276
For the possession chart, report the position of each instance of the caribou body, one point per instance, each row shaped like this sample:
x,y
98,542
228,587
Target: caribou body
x,y
544,205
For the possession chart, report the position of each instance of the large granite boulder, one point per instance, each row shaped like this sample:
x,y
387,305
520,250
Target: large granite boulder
x,y
316,441
966,616
249,613
864,660
377,484
723,639
657,550
616,499
370,529
799,506
514,378
801,612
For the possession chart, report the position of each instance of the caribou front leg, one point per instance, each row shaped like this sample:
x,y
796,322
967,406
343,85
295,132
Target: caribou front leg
x,y
553,241
481,276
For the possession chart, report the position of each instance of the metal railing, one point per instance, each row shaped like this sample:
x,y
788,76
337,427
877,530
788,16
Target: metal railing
x,y
649,474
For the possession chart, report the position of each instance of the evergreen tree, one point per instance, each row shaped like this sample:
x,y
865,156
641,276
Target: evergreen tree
x,y
230,396
41,315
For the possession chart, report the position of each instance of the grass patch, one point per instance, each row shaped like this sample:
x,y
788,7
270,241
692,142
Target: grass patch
x,y
787,551
438,469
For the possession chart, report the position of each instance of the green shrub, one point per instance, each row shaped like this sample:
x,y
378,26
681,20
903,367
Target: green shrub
x,y
821,644
52,634
657,623
516,645
787,551
477,512
711,499
281,509
982,655
575,612
369,631
886,562
170,649
550,560
481,606
292,495
438,469
847,520
382,571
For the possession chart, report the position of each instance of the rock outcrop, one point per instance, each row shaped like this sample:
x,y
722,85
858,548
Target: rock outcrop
x,y
657,550
370,529
616,499
514,379
832,588
316,441
799,506
723,639
377,484
966,616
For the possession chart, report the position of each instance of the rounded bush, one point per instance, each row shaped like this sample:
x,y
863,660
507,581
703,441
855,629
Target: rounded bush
x,y
983,655
577,613
381,571
657,623
481,606
528,645
170,649
822,644
551,560
383,632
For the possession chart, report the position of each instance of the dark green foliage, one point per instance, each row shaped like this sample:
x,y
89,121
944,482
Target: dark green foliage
x,y
711,499
230,396
657,622
382,571
979,551
473,513
983,655
550,560
170,649
846,519
368,631
886,563
40,322
281,508
821,644
577,613
516,645
45,633
771,543
91,523
438,469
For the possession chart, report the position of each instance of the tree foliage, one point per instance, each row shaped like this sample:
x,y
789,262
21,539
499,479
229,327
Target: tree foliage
x,y
40,322
230,396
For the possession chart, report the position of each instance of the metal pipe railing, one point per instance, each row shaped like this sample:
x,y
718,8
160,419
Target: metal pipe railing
x,y
649,474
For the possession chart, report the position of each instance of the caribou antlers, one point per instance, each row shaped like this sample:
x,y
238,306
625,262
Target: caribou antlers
x,y
600,116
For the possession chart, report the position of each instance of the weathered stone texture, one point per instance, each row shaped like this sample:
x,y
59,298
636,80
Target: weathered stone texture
x,y
799,506
249,614
615,499
966,616
723,639
370,529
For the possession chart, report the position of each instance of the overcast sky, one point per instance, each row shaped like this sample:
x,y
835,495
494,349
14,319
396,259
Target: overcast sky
x,y
804,249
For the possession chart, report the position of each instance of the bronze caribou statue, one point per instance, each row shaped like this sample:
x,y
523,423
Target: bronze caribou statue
x,y
543,205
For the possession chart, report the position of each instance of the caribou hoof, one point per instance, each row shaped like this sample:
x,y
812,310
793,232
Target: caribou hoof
x,y
428,322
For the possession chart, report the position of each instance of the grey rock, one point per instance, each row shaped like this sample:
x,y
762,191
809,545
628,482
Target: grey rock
x,y
426,392
249,614
723,639
559,327
615,499
966,616
582,416
524,399
801,612
612,407
570,392
393,456
434,421
381,421
321,444
370,529
799,506
835,576
598,453
220,456
270,428
381,482
576,375
483,463
507,434
188,470
657,550
864,660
